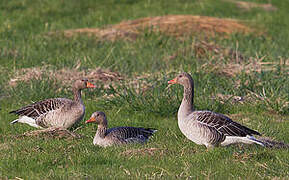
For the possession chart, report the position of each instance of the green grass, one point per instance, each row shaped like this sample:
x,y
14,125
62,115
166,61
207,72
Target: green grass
x,y
25,42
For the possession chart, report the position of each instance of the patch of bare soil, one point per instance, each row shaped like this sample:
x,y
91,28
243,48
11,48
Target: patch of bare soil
x,y
144,151
66,76
250,5
171,25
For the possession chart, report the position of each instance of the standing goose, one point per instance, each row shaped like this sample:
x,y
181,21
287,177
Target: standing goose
x,y
118,135
206,127
55,113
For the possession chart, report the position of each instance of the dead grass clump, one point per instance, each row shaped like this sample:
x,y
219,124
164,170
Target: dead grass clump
x,y
52,133
142,152
225,98
254,64
211,50
272,103
242,157
171,25
66,76
4,146
250,5
26,74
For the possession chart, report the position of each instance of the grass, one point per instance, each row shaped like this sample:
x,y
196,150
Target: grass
x,y
25,42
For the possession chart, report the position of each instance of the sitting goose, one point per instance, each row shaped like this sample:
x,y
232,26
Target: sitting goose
x,y
206,127
118,135
55,113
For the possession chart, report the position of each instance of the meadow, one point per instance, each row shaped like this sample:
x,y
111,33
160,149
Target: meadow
x,y
242,75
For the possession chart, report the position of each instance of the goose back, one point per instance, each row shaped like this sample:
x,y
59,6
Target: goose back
x,y
56,112
123,135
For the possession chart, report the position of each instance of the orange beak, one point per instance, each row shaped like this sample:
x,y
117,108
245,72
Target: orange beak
x,y
92,119
173,81
90,85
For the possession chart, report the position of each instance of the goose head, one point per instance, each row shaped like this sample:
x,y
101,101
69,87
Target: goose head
x,y
82,84
97,117
184,79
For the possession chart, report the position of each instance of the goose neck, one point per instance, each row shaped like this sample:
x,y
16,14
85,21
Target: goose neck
x,y
77,95
188,101
101,131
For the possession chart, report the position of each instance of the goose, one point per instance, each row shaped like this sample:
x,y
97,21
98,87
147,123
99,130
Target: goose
x,y
205,127
119,135
55,112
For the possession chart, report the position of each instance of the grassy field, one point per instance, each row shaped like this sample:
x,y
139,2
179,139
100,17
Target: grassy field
x,y
36,64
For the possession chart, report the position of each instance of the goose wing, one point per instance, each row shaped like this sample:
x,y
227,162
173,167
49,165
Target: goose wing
x,y
223,124
42,107
130,134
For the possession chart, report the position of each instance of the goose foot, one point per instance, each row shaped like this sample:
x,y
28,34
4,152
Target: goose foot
x,y
209,147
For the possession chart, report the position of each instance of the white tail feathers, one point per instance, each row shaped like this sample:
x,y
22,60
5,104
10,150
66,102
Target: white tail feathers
x,y
236,139
15,121
26,120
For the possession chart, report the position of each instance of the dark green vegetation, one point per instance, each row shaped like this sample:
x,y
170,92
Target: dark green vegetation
x,y
25,42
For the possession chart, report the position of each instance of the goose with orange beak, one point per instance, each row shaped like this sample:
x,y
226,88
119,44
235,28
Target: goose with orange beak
x,y
57,112
119,135
205,127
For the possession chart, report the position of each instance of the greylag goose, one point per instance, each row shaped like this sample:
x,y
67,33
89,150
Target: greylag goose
x,y
118,135
57,112
205,127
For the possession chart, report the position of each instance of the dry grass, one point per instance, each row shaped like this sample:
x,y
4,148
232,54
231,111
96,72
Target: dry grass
x,y
242,157
52,133
171,25
207,50
225,98
254,64
250,5
66,76
145,151
4,146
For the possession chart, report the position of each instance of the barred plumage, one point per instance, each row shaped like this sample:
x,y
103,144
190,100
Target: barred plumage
x,y
206,127
42,107
118,135
57,112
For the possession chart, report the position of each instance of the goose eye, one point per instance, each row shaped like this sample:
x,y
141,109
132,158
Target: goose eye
x,y
180,76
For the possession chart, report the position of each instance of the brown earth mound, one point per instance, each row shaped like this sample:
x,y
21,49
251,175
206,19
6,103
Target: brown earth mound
x,y
172,25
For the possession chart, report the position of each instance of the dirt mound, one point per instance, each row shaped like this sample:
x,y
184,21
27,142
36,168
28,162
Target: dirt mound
x,y
172,25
